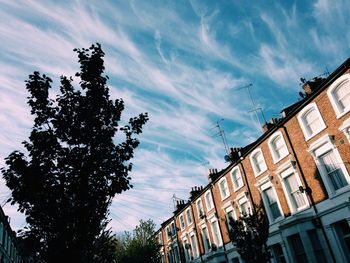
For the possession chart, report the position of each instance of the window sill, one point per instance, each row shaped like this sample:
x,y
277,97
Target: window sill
x,y
238,188
314,134
341,114
339,192
275,161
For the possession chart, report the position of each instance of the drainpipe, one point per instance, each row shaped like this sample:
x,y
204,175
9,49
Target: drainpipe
x,y
195,227
178,243
249,191
251,197
216,214
309,194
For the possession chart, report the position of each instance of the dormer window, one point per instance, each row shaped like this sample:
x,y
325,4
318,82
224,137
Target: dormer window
x,y
339,95
236,178
258,162
224,191
310,121
277,147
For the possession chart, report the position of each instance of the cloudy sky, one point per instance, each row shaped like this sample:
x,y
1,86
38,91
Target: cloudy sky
x,y
181,61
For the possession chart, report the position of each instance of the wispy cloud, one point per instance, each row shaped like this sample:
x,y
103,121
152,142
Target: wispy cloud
x,y
182,63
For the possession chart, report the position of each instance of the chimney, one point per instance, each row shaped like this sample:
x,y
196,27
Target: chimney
x,y
310,86
195,191
213,174
267,126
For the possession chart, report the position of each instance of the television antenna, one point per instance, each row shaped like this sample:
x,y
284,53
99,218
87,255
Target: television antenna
x,y
255,108
175,198
221,133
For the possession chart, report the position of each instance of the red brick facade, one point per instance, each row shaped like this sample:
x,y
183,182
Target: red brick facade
x,y
293,163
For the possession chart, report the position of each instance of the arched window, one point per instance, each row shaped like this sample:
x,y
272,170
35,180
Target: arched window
x,y
339,95
278,147
258,162
310,121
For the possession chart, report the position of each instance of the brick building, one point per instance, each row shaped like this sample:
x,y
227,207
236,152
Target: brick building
x,y
298,169
9,247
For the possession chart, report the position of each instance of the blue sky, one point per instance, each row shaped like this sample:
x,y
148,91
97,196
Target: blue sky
x,y
182,62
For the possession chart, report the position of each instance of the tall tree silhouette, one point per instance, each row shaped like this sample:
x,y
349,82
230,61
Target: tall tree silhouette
x,y
75,163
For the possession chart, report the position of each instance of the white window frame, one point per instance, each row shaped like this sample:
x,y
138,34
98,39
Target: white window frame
x,y
330,92
182,221
302,121
236,171
198,208
275,157
195,252
240,200
284,172
186,252
251,157
264,184
227,190
208,193
345,128
189,219
205,228
227,210
219,242
320,147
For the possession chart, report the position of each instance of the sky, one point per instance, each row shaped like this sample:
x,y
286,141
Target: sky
x,y
186,63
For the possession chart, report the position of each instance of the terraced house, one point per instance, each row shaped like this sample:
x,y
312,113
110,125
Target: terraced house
x,y
298,169
9,249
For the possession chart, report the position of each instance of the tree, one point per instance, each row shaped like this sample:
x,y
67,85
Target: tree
x,y
140,246
75,164
249,234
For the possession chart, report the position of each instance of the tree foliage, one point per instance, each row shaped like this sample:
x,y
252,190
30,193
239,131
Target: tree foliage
x,y
74,165
249,234
140,246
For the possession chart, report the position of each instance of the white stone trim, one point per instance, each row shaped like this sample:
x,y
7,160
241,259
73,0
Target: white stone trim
x,y
275,158
302,123
330,92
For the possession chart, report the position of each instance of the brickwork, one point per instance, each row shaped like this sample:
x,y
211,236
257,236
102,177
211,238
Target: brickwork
x,y
300,164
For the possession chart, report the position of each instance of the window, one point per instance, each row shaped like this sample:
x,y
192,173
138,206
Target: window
x,y
236,178
330,165
345,127
258,162
200,209
342,230
277,147
216,233
188,217
278,253
194,246
244,206
224,191
209,201
316,246
186,247
176,254
229,214
173,229
271,203
205,239
310,121
168,233
339,95
290,183
297,248
182,221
